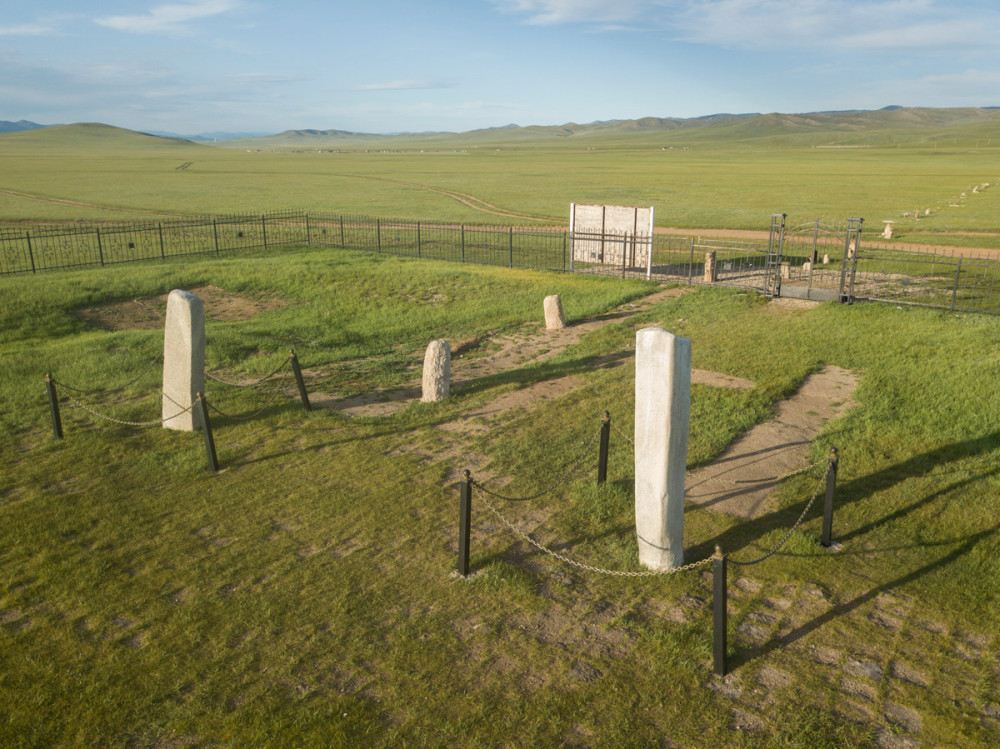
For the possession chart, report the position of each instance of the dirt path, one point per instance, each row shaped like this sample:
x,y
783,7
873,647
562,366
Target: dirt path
x,y
740,481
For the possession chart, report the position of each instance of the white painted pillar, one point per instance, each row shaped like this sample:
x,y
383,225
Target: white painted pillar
x,y
183,360
662,413
436,384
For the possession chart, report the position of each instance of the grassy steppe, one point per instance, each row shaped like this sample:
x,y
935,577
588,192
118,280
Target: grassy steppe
x,y
304,597
734,180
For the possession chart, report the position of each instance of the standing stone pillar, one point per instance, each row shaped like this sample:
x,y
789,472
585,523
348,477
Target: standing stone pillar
x,y
711,267
554,319
183,360
437,372
662,413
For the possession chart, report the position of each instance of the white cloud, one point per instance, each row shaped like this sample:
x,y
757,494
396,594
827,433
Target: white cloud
x,y
26,29
870,25
408,85
168,18
549,12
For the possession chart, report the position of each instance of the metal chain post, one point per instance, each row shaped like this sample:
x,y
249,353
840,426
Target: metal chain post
x,y
464,523
720,612
831,481
602,460
50,387
299,381
206,429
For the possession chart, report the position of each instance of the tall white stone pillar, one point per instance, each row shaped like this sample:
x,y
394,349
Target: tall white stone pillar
x,y
436,383
183,360
662,413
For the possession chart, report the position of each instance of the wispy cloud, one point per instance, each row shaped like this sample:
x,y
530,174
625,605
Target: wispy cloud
x,y
871,25
166,19
407,85
550,12
27,29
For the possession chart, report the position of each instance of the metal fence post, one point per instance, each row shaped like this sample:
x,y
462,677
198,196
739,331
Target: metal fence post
x,y
31,254
263,226
511,263
308,231
215,233
564,252
159,228
299,381
463,243
50,387
831,482
691,264
206,430
100,248
954,291
418,239
602,460
378,233
464,521
720,612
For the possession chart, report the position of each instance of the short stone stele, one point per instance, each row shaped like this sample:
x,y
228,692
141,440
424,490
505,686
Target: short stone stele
x,y
554,319
437,372
662,413
183,361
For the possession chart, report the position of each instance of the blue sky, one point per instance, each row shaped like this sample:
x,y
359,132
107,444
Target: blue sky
x,y
192,66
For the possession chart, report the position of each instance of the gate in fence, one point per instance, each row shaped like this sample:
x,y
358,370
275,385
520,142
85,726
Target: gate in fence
x,y
814,260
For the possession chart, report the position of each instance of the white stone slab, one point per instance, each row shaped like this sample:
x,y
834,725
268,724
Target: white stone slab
x,y
662,413
183,360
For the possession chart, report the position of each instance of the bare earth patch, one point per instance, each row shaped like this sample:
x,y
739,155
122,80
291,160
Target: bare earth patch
x,y
149,313
741,480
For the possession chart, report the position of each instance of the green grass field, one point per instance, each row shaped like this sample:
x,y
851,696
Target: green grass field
x,y
304,596
732,178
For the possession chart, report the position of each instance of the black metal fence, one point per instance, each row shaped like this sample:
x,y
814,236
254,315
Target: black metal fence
x,y
876,272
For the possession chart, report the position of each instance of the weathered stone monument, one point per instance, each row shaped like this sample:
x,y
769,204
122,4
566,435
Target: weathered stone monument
x,y
183,361
554,319
826,258
662,413
887,233
786,269
437,372
711,267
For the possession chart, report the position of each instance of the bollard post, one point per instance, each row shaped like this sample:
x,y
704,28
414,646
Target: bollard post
x,y
206,428
297,370
720,612
602,460
831,482
464,523
50,386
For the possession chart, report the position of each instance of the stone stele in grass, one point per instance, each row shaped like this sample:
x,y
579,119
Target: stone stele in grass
x,y
662,413
437,372
554,319
183,360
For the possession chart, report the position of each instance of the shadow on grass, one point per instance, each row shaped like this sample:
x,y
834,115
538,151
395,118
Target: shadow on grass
x,y
746,656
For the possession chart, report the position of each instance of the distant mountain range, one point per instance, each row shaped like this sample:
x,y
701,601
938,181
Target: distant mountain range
x,y
15,127
821,129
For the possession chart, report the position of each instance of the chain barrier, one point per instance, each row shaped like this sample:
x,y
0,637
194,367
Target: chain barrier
x,y
580,565
253,384
791,530
620,433
769,480
127,423
150,368
555,484
274,395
